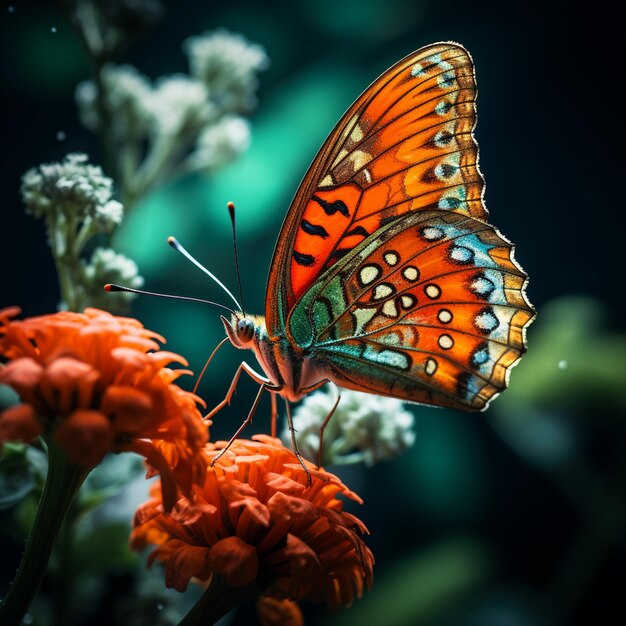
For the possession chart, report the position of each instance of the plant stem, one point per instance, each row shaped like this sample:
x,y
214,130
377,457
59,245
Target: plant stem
x,y
219,599
62,483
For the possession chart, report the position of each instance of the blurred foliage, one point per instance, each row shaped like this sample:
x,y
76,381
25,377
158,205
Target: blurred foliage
x,y
574,362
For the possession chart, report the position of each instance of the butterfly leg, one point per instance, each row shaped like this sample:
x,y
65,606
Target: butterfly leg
x,y
294,444
243,367
324,424
273,414
248,419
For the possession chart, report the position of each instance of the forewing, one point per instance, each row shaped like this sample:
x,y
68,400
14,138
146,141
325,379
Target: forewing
x,y
430,309
405,145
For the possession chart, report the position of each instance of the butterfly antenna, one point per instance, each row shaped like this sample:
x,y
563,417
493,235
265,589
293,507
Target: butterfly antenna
x,y
172,241
113,287
219,345
231,212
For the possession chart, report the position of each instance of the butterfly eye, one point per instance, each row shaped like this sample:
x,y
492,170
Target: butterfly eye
x,y
245,330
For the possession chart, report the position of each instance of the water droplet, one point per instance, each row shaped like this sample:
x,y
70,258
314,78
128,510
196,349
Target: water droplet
x,y
27,619
53,29
160,606
563,364
61,135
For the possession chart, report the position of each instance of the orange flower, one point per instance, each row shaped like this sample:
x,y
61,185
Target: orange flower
x,y
256,522
98,383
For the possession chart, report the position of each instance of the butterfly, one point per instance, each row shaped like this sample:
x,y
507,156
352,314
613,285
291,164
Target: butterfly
x,y
386,277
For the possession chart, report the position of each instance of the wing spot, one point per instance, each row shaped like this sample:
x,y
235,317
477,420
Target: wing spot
x,y
408,301
411,273
431,366
432,233
461,255
368,274
486,321
303,259
313,229
443,107
390,309
442,138
383,290
481,286
432,291
444,171
445,342
391,258
480,356
445,316
330,208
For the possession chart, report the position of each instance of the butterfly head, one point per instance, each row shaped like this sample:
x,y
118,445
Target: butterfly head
x,y
242,329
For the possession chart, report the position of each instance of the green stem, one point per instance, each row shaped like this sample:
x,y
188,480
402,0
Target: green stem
x,y
62,483
218,600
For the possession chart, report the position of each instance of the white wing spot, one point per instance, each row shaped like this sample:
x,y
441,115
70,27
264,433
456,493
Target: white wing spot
x,y
367,175
357,134
389,309
431,366
417,70
410,273
486,321
392,358
382,291
445,342
363,316
432,291
431,233
369,273
444,316
408,301
443,107
391,258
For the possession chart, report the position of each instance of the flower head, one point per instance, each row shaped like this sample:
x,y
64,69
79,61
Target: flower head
x,y
256,522
127,93
363,428
227,64
72,191
107,266
98,383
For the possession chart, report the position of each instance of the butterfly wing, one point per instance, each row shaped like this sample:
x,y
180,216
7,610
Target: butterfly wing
x,y
431,308
406,144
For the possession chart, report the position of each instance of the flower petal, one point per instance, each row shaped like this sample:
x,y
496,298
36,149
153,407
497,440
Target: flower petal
x,y
19,423
236,559
85,436
279,612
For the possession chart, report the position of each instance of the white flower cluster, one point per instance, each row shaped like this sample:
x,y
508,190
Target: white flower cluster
x,y
75,200
364,428
72,191
228,65
179,123
128,94
107,266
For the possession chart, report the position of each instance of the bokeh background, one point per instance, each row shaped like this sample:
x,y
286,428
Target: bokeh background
x,y
514,517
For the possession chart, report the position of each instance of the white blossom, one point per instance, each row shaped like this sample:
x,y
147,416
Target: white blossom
x,y
108,266
72,190
227,64
180,104
364,428
127,97
220,143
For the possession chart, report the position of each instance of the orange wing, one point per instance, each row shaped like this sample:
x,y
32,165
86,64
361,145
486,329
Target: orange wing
x,y
406,144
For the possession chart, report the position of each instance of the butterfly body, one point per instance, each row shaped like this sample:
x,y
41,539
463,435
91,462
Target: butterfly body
x,y
386,276
289,370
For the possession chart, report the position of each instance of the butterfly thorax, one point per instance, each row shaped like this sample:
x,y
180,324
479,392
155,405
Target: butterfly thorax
x,y
290,371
